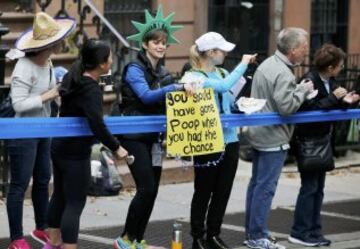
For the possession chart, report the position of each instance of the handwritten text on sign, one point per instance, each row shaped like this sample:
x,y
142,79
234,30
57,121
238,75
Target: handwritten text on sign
x,y
193,124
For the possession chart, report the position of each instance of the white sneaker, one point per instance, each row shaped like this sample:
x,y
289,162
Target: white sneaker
x,y
264,244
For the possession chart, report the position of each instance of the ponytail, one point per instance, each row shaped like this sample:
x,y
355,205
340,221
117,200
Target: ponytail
x,y
196,57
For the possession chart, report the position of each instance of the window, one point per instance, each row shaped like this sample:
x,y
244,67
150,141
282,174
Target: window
x,y
247,27
329,23
120,14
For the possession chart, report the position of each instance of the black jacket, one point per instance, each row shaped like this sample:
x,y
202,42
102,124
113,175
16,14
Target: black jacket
x,y
81,96
323,101
133,106
156,78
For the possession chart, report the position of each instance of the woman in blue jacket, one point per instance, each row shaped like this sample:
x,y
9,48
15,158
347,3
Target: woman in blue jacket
x,y
212,184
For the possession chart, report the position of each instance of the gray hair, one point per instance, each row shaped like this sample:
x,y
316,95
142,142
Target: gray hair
x,y
290,38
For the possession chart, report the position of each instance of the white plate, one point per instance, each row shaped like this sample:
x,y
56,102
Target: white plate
x,y
250,105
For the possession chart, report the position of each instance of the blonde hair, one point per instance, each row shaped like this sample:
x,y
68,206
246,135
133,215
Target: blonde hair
x,y
196,57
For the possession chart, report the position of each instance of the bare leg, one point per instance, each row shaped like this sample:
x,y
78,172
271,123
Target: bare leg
x,y
55,236
70,246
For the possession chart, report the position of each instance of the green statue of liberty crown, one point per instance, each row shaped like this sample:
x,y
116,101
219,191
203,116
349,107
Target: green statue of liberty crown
x,y
151,23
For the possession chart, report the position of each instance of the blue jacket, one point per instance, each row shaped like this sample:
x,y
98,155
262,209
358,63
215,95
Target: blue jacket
x,y
136,78
222,85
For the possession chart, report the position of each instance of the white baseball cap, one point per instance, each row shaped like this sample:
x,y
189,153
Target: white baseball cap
x,y
213,40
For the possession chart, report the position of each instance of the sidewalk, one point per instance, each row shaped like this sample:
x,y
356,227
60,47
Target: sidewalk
x,y
173,200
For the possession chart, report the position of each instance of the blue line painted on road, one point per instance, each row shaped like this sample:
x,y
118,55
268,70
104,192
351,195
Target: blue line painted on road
x,y
70,127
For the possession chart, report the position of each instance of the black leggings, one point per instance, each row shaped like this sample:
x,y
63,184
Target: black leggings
x,y
71,182
147,180
212,188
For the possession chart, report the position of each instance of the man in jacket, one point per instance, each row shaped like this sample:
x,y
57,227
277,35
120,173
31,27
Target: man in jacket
x,y
274,81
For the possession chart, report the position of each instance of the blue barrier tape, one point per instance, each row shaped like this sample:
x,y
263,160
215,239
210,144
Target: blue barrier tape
x,y
69,127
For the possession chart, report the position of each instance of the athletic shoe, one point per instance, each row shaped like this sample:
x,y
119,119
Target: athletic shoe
x,y
19,244
216,242
40,236
49,246
121,243
309,241
264,244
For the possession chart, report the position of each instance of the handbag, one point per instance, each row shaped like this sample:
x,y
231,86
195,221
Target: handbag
x,y
6,108
314,154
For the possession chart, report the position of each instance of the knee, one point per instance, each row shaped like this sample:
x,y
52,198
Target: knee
x,y
18,188
75,207
309,188
42,182
201,194
149,192
270,188
42,178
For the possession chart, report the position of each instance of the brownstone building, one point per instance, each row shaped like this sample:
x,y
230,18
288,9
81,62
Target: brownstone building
x,y
252,24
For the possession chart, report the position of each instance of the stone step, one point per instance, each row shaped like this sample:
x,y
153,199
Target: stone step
x,y
12,6
16,21
9,39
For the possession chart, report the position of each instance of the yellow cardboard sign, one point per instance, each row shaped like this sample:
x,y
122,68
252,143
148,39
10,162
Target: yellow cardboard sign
x,y
193,124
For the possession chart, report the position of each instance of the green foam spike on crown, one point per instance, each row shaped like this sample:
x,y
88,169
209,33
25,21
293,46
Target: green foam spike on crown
x,y
153,23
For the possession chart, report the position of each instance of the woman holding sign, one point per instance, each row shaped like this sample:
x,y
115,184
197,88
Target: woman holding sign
x,y
145,84
214,173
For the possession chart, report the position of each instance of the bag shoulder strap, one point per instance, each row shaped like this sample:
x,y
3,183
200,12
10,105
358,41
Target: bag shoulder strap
x,y
221,71
199,71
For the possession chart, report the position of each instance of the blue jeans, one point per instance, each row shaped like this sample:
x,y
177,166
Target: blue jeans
x,y
28,158
261,189
307,218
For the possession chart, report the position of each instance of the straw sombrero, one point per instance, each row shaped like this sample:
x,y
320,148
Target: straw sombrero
x,y
45,32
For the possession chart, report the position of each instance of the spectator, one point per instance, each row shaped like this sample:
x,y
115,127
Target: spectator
x,y
274,81
328,61
33,87
81,96
213,184
145,84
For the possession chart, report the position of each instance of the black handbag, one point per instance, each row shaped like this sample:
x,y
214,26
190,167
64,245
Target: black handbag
x,y
314,154
6,108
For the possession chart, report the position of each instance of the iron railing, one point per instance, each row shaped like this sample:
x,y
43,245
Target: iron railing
x,y
106,28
